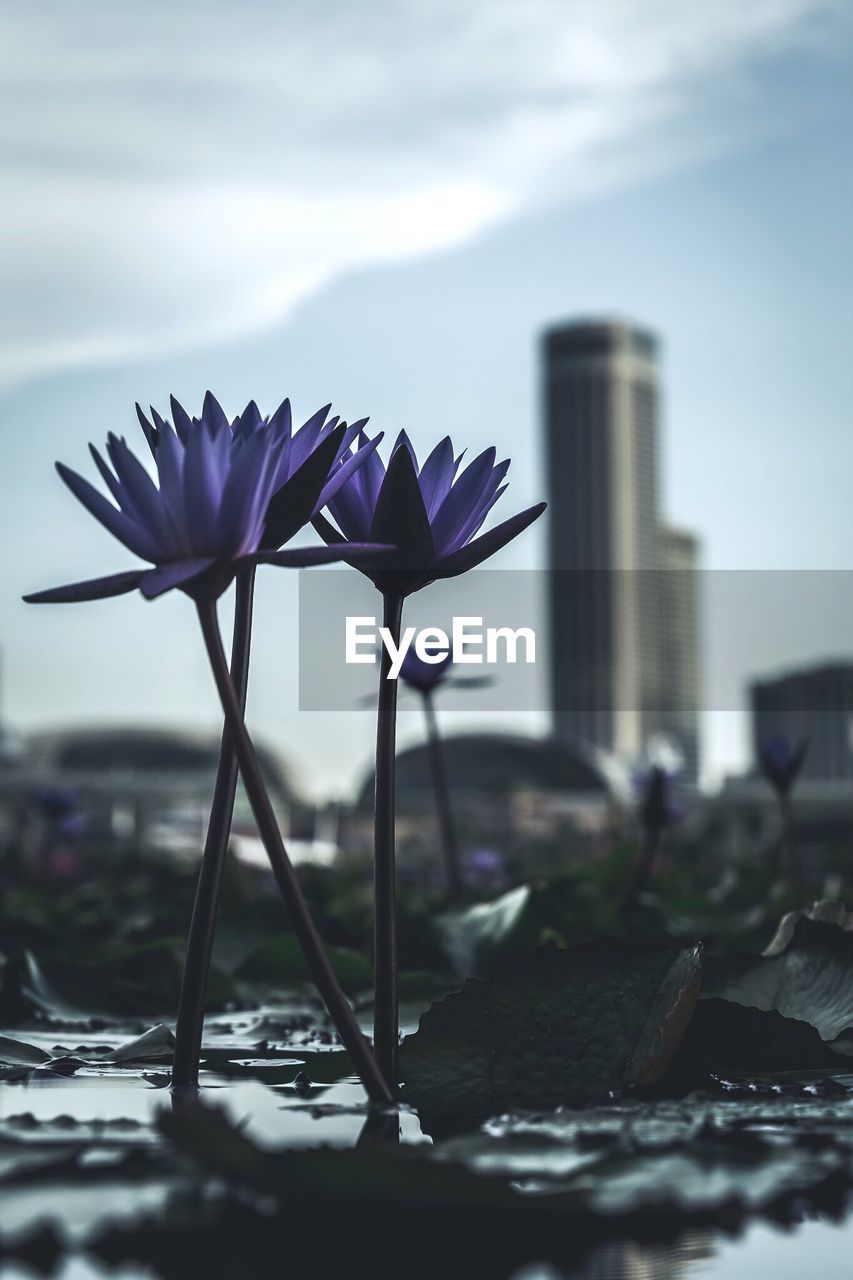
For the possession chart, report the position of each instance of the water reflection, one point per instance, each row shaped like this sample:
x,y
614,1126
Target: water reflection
x,y
817,1247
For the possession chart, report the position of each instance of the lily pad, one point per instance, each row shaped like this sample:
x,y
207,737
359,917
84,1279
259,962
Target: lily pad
x,y
17,1053
729,1038
805,974
154,1045
553,1027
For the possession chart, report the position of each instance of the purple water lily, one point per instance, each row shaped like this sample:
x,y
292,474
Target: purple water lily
x,y
781,759
227,494
425,676
431,514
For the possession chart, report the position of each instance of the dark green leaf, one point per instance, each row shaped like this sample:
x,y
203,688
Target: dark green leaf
x,y
549,1028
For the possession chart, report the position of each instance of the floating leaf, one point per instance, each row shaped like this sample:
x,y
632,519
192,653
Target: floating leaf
x,y
155,1044
17,1053
733,1039
549,1028
806,974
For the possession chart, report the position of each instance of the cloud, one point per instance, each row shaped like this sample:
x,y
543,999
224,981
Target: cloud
x,y
172,176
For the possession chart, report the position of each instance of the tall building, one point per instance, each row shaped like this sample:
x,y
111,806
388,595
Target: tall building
x,y
611,672
814,703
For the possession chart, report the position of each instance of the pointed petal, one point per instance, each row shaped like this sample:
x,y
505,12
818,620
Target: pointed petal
x,y
486,545
304,557
148,508
148,429
348,466
119,525
490,493
293,505
155,582
315,422
327,531
106,475
281,421
462,500
400,517
115,584
212,412
436,475
203,482
181,419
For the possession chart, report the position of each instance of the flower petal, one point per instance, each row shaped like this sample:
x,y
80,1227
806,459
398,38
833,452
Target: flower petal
x,y
143,501
182,420
436,475
481,548
294,503
400,517
327,531
212,412
304,557
281,421
155,582
462,499
119,525
114,584
342,473
149,430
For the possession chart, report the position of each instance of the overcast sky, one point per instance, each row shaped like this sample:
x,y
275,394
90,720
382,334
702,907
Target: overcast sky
x,y
382,204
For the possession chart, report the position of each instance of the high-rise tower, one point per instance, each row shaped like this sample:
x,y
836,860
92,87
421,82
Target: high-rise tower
x,y
607,549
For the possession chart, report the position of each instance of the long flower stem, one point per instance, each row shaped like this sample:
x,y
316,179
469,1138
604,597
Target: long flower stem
x,y
792,852
646,859
385,1017
450,847
303,926
190,1022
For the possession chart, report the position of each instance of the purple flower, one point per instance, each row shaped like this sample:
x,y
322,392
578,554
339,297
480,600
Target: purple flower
x,y
226,494
430,514
659,804
781,759
424,676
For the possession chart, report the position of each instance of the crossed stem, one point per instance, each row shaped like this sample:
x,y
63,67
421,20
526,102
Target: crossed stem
x,y
190,1021
375,1081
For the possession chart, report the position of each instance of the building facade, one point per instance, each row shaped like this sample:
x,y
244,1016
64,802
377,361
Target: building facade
x,y
610,586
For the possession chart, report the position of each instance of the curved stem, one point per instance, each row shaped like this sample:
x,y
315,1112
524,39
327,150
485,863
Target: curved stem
x,y
385,1029
452,863
303,926
190,1021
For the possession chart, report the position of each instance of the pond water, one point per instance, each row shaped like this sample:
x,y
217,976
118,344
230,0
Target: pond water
x,y
109,1113
93,1142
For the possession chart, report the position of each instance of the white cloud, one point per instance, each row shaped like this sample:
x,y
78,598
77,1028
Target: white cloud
x,y
170,177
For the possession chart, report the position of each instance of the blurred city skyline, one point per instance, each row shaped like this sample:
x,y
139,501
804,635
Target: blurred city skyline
x,y
387,216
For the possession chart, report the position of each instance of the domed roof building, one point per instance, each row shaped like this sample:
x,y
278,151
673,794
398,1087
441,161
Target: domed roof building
x,y
536,803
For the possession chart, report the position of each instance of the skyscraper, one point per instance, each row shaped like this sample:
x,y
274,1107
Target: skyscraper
x,y
607,548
